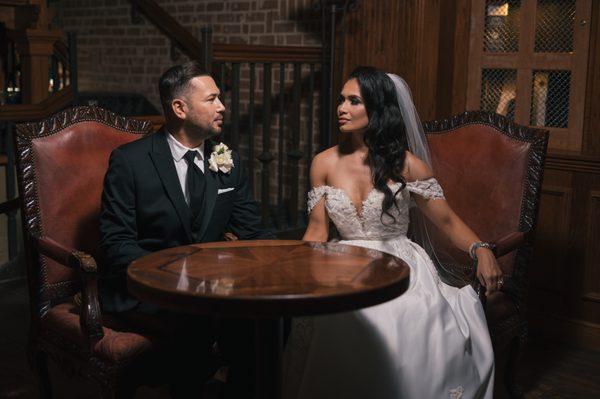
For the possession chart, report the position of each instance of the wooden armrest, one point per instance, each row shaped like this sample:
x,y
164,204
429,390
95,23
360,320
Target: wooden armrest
x,y
9,206
90,316
65,256
509,243
500,247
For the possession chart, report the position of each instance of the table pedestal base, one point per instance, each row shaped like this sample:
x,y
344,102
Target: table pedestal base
x,y
269,349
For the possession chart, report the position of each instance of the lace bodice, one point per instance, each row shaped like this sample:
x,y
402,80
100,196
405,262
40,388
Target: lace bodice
x,y
368,224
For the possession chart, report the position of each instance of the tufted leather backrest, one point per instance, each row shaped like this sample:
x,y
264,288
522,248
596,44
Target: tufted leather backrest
x,y
62,162
490,171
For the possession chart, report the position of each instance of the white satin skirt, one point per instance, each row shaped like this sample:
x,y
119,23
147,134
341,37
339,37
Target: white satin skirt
x,y
430,342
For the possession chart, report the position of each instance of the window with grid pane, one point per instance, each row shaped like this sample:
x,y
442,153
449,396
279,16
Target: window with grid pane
x,y
527,61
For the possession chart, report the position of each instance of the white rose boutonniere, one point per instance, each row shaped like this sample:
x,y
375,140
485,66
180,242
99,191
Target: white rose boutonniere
x,y
220,159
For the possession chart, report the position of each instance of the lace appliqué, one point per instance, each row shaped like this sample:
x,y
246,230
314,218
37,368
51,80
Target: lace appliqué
x,y
365,223
457,393
429,188
314,196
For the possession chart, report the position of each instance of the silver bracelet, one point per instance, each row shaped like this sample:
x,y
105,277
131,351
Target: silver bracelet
x,y
478,244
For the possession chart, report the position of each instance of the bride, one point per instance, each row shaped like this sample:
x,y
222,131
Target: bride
x,y
430,342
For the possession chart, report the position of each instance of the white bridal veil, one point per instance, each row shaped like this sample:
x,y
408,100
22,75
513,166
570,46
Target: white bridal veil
x,y
417,144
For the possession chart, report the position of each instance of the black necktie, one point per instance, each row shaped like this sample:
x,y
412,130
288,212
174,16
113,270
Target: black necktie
x,y
196,183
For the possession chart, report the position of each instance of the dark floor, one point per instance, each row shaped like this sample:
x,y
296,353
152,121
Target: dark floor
x,y
549,370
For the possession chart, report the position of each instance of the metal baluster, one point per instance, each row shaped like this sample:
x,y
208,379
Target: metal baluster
x,y
60,75
309,129
72,42
281,138
222,77
251,127
235,105
324,106
222,89
17,76
206,56
331,80
13,79
266,157
295,154
8,78
10,190
54,73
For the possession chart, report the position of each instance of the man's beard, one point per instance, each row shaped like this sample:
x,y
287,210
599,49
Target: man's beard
x,y
201,132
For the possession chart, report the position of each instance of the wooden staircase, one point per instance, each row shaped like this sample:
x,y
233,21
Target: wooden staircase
x,y
34,45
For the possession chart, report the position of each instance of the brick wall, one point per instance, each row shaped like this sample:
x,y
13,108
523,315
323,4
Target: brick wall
x,y
114,54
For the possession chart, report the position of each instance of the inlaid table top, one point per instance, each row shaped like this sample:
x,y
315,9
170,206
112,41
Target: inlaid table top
x,y
268,278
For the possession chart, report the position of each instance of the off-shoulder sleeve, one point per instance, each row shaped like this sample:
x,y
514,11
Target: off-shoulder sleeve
x,y
314,196
429,188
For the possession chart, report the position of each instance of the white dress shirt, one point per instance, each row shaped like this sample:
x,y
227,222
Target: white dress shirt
x,y
178,150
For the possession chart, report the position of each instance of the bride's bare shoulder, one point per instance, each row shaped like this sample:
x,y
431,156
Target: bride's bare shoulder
x,y
327,157
323,162
415,168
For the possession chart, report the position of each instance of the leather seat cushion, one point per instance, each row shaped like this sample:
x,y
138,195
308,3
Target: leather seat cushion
x,y
119,346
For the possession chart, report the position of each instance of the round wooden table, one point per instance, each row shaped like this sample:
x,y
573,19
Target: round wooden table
x,y
266,281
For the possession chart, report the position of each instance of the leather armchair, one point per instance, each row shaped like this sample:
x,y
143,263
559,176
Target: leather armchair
x,y
491,171
61,164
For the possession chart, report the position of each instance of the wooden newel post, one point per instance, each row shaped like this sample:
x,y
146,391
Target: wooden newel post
x,y
35,48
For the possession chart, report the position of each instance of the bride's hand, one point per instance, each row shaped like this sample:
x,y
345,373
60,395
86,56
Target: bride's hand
x,y
488,271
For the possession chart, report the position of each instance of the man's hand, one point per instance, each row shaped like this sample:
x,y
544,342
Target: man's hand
x,y
230,237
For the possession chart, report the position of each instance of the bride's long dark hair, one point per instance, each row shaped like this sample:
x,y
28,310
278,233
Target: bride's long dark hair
x,y
386,135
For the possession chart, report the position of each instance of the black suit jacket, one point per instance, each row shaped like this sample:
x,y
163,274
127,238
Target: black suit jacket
x,y
144,210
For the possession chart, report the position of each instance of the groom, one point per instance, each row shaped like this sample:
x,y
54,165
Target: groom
x,y
174,187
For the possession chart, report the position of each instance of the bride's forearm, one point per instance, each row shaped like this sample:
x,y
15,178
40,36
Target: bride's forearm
x,y
440,213
318,224
459,233
313,234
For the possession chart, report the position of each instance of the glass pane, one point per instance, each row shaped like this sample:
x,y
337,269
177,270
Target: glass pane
x,y
554,26
498,91
501,32
550,98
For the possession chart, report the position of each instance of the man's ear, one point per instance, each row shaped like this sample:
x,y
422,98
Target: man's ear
x,y
179,108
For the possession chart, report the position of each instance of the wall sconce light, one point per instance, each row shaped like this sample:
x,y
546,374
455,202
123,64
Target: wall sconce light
x,y
497,10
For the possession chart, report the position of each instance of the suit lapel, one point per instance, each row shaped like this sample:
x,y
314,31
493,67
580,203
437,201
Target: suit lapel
x,y
163,162
210,194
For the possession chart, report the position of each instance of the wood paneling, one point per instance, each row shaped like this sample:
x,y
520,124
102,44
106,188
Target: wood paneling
x,y
551,238
591,290
424,41
453,58
560,328
573,162
564,300
591,131
399,37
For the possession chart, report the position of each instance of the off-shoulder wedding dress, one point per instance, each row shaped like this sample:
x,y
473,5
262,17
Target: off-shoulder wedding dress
x,y
430,342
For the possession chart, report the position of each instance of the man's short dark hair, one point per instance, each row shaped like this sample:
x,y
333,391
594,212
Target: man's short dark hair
x,y
174,81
